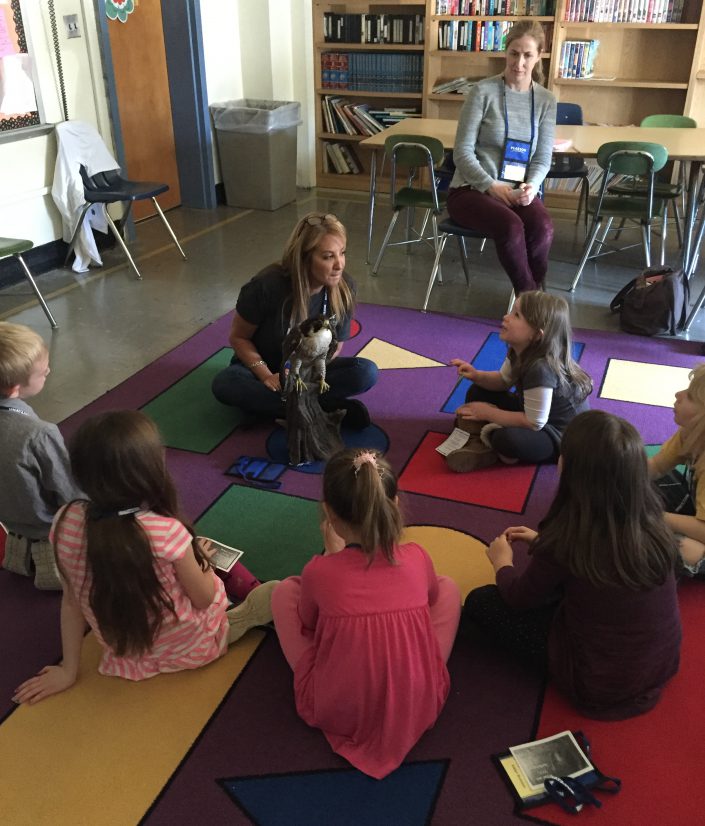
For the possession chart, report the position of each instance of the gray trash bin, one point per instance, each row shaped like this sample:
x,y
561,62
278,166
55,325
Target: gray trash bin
x,y
257,148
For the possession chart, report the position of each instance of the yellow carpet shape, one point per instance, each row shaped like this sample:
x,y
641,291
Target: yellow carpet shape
x,y
388,356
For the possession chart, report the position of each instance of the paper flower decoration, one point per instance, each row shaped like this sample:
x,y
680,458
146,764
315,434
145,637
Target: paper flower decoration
x,y
119,9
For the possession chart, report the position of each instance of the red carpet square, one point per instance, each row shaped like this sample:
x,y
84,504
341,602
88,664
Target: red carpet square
x,y
500,487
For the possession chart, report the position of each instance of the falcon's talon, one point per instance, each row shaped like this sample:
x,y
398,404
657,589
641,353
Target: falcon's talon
x,y
299,385
323,386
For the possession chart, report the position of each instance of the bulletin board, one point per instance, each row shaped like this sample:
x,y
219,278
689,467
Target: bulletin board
x,y
18,104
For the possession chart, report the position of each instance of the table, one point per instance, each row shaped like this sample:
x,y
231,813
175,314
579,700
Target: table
x,y
686,145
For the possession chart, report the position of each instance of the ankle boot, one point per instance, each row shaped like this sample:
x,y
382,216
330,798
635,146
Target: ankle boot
x,y
473,456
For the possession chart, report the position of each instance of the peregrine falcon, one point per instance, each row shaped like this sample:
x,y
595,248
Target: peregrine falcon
x,y
310,345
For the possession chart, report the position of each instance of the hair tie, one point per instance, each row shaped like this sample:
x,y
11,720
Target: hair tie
x,y
112,514
366,457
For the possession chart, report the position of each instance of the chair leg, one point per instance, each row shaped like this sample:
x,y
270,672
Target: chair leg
x,y
120,240
664,233
619,229
169,229
33,284
462,246
74,238
436,242
388,235
583,203
646,241
586,253
434,269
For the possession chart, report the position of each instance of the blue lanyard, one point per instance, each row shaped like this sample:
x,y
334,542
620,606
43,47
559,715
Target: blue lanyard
x,y
506,118
324,305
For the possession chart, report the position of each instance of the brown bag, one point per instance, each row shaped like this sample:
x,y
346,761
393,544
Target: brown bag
x,y
654,303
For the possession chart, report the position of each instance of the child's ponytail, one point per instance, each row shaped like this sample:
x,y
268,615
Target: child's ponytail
x,y
361,488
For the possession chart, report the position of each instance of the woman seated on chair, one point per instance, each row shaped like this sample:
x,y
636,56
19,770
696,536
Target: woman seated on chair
x,y
502,153
310,281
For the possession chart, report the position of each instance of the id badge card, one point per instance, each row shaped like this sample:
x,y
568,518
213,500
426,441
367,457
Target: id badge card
x,y
515,161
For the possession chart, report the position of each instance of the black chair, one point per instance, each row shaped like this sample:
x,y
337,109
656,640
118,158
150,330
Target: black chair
x,y
109,187
571,166
446,228
15,247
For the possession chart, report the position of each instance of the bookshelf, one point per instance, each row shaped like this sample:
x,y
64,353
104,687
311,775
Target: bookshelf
x,y
640,67
375,76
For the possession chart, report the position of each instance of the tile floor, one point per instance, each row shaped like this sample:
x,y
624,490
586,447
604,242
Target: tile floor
x,y
111,324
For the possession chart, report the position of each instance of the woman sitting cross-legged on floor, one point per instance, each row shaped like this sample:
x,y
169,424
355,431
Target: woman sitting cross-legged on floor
x,y
131,569
310,280
597,603
368,626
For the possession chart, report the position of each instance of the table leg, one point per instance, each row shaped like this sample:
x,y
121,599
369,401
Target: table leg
x,y
691,210
693,261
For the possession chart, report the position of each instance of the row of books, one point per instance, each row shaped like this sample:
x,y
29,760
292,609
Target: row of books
x,y
578,58
340,158
340,116
473,35
372,71
510,8
458,85
624,11
373,28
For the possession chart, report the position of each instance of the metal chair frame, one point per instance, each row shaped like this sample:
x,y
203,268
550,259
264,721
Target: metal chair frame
x,y
415,153
13,248
631,158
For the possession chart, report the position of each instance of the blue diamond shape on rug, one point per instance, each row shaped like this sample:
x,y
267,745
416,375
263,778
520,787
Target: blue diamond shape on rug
x,y
372,437
490,357
345,797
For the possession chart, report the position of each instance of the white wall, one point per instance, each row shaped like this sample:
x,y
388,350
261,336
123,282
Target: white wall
x,y
26,208
252,48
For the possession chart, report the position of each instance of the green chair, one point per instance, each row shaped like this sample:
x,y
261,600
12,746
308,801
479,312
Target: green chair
x,y
665,189
15,247
409,156
638,161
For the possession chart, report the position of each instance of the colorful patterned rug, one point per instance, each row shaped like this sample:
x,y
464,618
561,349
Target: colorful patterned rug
x,y
224,744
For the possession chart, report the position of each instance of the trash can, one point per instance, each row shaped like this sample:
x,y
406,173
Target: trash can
x,y
257,148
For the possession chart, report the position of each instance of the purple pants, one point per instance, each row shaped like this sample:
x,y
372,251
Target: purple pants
x,y
522,234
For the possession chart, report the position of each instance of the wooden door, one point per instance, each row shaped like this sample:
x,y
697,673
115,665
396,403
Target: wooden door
x,y
144,102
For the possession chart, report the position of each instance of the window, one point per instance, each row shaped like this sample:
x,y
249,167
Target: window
x,y
19,104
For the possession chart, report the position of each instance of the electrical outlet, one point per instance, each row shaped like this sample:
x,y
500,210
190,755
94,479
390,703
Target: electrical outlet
x,y
71,23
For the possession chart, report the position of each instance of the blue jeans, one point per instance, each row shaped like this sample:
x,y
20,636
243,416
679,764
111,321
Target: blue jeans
x,y
238,386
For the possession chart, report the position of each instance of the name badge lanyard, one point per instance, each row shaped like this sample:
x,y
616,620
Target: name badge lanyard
x,y
517,154
324,308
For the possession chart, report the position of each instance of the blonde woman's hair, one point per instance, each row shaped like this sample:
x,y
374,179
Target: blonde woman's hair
x,y
694,434
305,237
535,30
20,349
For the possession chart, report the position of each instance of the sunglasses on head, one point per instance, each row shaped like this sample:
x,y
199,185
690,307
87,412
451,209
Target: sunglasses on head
x,y
317,220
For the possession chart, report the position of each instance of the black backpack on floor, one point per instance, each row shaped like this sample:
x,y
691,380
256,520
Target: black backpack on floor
x,y
654,303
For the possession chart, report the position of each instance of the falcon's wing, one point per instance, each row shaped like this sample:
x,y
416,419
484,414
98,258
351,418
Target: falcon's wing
x,y
333,346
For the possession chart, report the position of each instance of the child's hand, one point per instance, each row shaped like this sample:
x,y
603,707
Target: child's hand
x,y
332,543
51,680
208,548
481,411
521,534
500,552
467,371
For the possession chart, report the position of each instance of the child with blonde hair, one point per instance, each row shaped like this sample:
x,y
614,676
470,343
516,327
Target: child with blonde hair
x,y
35,479
367,628
526,425
685,495
132,569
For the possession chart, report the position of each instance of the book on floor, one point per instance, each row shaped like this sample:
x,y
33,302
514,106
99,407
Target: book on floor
x,y
458,438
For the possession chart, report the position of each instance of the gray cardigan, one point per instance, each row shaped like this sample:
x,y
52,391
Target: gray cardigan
x,y
479,141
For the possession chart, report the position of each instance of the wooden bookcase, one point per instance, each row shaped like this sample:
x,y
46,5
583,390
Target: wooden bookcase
x,y
640,69
379,99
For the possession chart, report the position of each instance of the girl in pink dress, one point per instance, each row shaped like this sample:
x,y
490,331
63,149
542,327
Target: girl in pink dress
x,y
131,569
368,627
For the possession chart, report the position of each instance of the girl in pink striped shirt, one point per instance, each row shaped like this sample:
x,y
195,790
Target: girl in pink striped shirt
x,y
132,569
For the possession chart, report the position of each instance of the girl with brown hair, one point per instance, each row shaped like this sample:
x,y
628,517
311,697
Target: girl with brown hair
x,y
367,628
132,569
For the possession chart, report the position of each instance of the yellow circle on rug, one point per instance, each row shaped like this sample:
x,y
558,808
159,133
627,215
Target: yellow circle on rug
x,y
455,554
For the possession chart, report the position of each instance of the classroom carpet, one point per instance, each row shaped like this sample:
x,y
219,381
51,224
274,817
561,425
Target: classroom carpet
x,y
224,744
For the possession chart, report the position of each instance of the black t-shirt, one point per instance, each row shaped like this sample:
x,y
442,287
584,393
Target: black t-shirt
x,y
564,405
266,302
